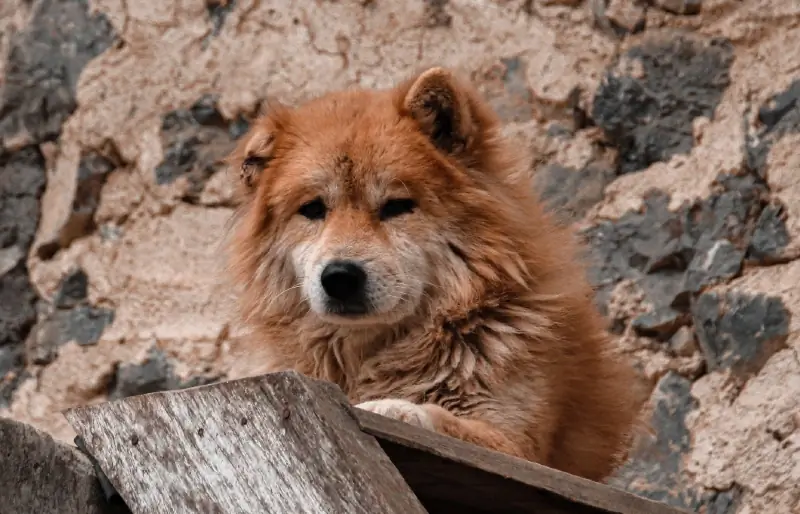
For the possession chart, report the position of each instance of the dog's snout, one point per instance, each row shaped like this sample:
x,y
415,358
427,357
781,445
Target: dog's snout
x,y
344,281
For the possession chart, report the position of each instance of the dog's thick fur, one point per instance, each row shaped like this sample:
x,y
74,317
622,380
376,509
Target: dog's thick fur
x,y
481,322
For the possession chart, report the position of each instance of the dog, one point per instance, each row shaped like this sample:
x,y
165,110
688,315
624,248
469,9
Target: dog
x,y
390,241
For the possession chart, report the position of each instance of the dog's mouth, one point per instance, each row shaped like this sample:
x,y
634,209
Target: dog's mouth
x,y
347,309
362,314
352,313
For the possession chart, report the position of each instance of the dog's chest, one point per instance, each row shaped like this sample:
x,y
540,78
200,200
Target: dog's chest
x,y
418,367
375,377
372,372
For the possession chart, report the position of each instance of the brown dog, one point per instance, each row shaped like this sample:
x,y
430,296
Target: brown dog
x,y
390,242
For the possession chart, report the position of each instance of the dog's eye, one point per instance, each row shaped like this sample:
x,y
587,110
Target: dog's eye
x,y
396,207
313,210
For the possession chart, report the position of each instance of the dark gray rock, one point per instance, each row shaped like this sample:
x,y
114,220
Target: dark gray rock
x,y
649,119
12,372
73,290
661,323
17,316
9,258
667,289
649,247
218,10
656,467
17,306
730,213
70,318
570,192
778,117
674,256
44,64
10,359
779,106
195,140
723,502
686,7
740,332
44,476
155,374
719,263
238,127
642,237
669,254
22,180
770,236
84,324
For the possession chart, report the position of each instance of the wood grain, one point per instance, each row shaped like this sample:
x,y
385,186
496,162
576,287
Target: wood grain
x,y
270,444
448,475
43,476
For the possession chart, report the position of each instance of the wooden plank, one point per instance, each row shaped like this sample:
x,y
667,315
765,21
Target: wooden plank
x,y
447,475
275,443
41,475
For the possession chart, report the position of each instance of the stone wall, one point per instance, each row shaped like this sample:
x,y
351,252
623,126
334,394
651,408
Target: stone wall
x,y
665,130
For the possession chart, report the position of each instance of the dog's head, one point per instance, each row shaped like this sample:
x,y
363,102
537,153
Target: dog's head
x,y
362,205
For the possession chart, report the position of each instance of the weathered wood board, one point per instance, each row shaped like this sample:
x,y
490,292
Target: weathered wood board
x,y
287,443
278,443
450,475
41,475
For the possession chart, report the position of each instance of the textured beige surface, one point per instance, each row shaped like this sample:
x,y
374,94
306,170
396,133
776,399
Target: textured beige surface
x,y
784,179
161,271
751,436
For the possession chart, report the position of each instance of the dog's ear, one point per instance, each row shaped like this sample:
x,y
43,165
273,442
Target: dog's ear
x,y
253,154
445,110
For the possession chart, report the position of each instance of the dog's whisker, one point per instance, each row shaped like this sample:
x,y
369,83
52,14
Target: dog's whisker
x,y
273,299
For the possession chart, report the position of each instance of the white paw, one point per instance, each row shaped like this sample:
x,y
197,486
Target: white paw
x,y
401,410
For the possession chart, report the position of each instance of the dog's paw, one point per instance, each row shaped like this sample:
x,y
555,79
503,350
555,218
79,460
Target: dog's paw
x,y
401,410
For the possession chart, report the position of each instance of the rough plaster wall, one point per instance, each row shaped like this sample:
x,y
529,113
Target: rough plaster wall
x,y
669,138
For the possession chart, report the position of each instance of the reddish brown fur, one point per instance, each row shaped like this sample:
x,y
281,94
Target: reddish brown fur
x,y
505,349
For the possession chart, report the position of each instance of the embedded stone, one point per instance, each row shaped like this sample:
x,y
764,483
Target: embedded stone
x,y
649,116
738,331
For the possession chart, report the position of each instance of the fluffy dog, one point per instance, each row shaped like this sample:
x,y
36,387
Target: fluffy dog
x,y
390,241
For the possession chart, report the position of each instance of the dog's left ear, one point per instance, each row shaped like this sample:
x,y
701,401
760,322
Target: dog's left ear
x,y
445,109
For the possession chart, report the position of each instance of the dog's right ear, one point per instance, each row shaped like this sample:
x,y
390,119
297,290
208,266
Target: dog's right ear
x,y
253,154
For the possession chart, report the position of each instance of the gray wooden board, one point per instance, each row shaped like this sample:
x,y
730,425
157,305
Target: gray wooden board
x,y
43,476
448,474
279,443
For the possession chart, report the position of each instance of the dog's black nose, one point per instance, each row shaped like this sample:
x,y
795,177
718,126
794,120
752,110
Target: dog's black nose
x,y
344,281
